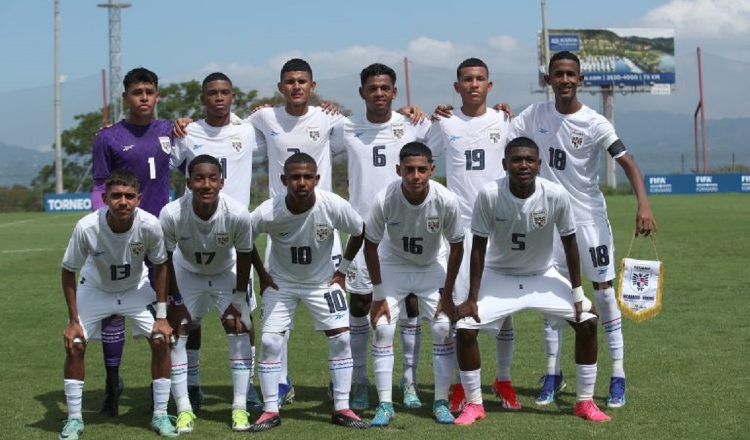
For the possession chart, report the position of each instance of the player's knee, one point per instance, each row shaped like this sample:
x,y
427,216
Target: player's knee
x,y
466,337
412,305
587,328
271,343
233,326
77,351
383,334
606,301
359,305
441,331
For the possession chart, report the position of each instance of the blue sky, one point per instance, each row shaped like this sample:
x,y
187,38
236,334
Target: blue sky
x,y
248,40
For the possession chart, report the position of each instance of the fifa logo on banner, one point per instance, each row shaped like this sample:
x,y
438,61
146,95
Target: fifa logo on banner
x,y
703,179
657,180
745,179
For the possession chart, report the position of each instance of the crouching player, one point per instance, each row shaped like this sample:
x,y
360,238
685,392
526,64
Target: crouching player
x,y
302,222
404,235
518,215
109,246
208,238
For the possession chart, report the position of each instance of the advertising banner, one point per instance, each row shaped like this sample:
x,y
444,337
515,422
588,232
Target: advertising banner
x,y
697,183
616,57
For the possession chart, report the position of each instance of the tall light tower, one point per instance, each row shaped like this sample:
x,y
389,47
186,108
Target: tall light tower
x,y
115,57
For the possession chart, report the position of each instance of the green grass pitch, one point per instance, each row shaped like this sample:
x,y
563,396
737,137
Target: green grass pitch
x,y
687,369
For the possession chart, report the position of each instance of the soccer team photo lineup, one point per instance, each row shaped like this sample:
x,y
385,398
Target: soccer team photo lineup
x,y
519,223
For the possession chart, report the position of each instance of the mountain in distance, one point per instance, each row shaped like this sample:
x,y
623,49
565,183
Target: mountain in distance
x,y
20,166
661,142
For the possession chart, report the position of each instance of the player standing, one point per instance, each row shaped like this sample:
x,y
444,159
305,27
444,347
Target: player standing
x,y
372,143
208,239
404,235
571,137
472,140
302,222
110,246
142,145
513,226
233,144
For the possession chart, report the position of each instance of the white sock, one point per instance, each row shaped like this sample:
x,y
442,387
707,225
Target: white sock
x,y
240,364
443,353
180,375
194,368
504,344
611,319
617,368
411,340
161,395
284,373
472,382
73,396
552,345
359,329
382,360
269,368
252,366
340,366
585,382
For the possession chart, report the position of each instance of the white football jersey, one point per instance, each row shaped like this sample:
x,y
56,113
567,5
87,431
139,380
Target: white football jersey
x,y
372,151
570,146
114,262
232,144
206,247
473,148
301,243
411,235
286,134
521,231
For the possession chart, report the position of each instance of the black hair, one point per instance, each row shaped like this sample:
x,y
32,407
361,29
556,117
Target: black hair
x,y
471,62
296,65
377,69
122,177
203,158
140,75
415,149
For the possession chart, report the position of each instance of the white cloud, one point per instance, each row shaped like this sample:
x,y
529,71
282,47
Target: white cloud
x,y
429,51
703,18
503,43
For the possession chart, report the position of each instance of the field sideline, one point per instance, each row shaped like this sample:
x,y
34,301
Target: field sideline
x,y
687,369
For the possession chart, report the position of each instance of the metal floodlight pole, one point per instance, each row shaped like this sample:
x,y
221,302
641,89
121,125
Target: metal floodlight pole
x,y
406,79
58,135
545,46
115,56
703,109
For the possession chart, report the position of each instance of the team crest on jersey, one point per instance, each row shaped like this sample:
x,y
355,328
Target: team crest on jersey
x,y
494,135
313,133
640,281
398,131
222,239
576,139
137,248
351,275
539,218
433,225
322,231
166,144
236,144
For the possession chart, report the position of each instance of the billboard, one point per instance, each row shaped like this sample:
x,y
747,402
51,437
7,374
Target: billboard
x,y
616,57
697,183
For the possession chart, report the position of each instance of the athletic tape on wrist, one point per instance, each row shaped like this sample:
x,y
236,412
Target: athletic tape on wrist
x,y
578,294
161,310
378,293
344,265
